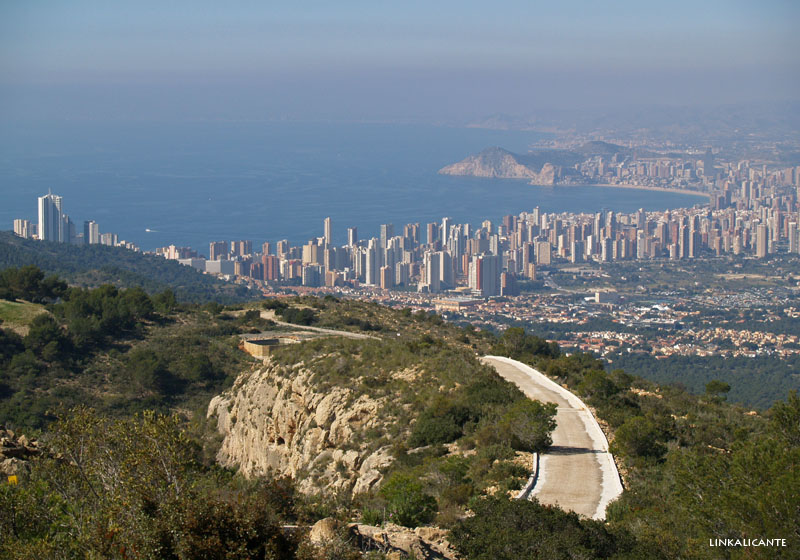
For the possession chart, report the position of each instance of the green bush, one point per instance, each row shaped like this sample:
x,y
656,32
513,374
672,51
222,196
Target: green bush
x,y
528,425
639,437
406,502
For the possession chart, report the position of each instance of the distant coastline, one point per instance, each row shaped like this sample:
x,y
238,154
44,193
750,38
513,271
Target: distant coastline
x,y
658,189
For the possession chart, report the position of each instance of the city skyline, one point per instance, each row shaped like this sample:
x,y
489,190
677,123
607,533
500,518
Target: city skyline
x,y
751,211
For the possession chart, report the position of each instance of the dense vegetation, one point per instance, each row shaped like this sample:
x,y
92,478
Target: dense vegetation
x,y
697,468
136,488
94,265
120,349
755,382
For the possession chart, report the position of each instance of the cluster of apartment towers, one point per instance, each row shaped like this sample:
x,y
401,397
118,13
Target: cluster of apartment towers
x,y
488,260
751,218
55,225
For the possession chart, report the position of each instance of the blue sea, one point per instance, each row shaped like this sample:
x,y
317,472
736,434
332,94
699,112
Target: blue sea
x,y
192,183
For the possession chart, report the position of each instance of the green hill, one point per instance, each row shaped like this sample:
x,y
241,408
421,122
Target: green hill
x,y
94,265
695,467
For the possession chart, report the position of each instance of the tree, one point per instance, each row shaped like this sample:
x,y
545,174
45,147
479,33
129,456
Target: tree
x,y
717,389
46,338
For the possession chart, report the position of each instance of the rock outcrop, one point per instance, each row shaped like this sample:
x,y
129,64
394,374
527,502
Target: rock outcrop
x,y
502,164
273,420
427,543
14,453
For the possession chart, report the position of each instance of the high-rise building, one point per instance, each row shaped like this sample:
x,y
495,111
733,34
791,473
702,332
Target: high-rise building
x,y
484,275
387,232
24,228
282,248
51,218
372,268
271,266
352,236
109,239
91,232
387,277
543,252
217,250
241,247
328,233
431,282
762,241
401,274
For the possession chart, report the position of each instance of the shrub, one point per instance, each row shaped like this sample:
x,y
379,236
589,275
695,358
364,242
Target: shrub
x,y
406,502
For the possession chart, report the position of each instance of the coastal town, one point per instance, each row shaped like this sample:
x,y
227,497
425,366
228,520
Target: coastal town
x,y
576,277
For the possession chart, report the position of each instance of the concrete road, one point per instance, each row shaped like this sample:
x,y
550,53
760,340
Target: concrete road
x,y
577,473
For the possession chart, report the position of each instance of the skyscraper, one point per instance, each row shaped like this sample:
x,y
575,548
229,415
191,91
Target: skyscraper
x,y
328,236
91,232
352,236
387,232
24,228
217,250
762,241
51,218
432,261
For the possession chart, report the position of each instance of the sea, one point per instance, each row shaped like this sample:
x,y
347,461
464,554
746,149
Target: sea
x,y
188,184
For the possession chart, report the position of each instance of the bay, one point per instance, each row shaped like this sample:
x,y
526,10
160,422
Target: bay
x,y
193,183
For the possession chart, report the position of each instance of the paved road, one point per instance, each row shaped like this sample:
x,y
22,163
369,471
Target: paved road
x,y
577,473
269,314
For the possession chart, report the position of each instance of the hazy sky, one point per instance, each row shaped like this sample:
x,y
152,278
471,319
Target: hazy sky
x,y
381,60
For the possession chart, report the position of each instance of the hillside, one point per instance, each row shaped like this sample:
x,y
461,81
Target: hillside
x,y
405,425
94,265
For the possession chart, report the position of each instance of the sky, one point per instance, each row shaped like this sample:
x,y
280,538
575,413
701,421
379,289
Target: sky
x,y
377,60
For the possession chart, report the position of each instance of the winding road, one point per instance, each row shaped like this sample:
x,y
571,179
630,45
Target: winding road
x,y
578,472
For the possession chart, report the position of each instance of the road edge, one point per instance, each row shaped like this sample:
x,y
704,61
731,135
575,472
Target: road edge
x,y
611,481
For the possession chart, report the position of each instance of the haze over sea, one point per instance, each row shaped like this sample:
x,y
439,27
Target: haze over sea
x,y
192,183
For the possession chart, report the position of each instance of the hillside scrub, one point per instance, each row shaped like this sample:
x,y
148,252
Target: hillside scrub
x,y
120,349
439,395
697,467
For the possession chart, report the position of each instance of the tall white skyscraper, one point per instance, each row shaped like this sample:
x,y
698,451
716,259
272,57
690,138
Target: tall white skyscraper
x,y
91,233
24,228
431,262
352,236
51,218
328,236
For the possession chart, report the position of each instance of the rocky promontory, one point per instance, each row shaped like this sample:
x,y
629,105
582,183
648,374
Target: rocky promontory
x,y
501,164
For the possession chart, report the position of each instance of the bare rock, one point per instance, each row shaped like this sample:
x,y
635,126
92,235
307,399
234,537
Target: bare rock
x,y
13,466
275,421
323,530
428,543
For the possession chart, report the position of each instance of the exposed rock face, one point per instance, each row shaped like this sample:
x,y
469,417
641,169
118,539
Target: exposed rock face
x,y
273,420
499,163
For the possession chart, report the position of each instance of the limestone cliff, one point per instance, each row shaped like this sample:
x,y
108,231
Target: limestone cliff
x,y
502,164
273,420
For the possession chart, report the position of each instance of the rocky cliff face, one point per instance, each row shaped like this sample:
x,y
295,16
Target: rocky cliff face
x,y
273,420
502,164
